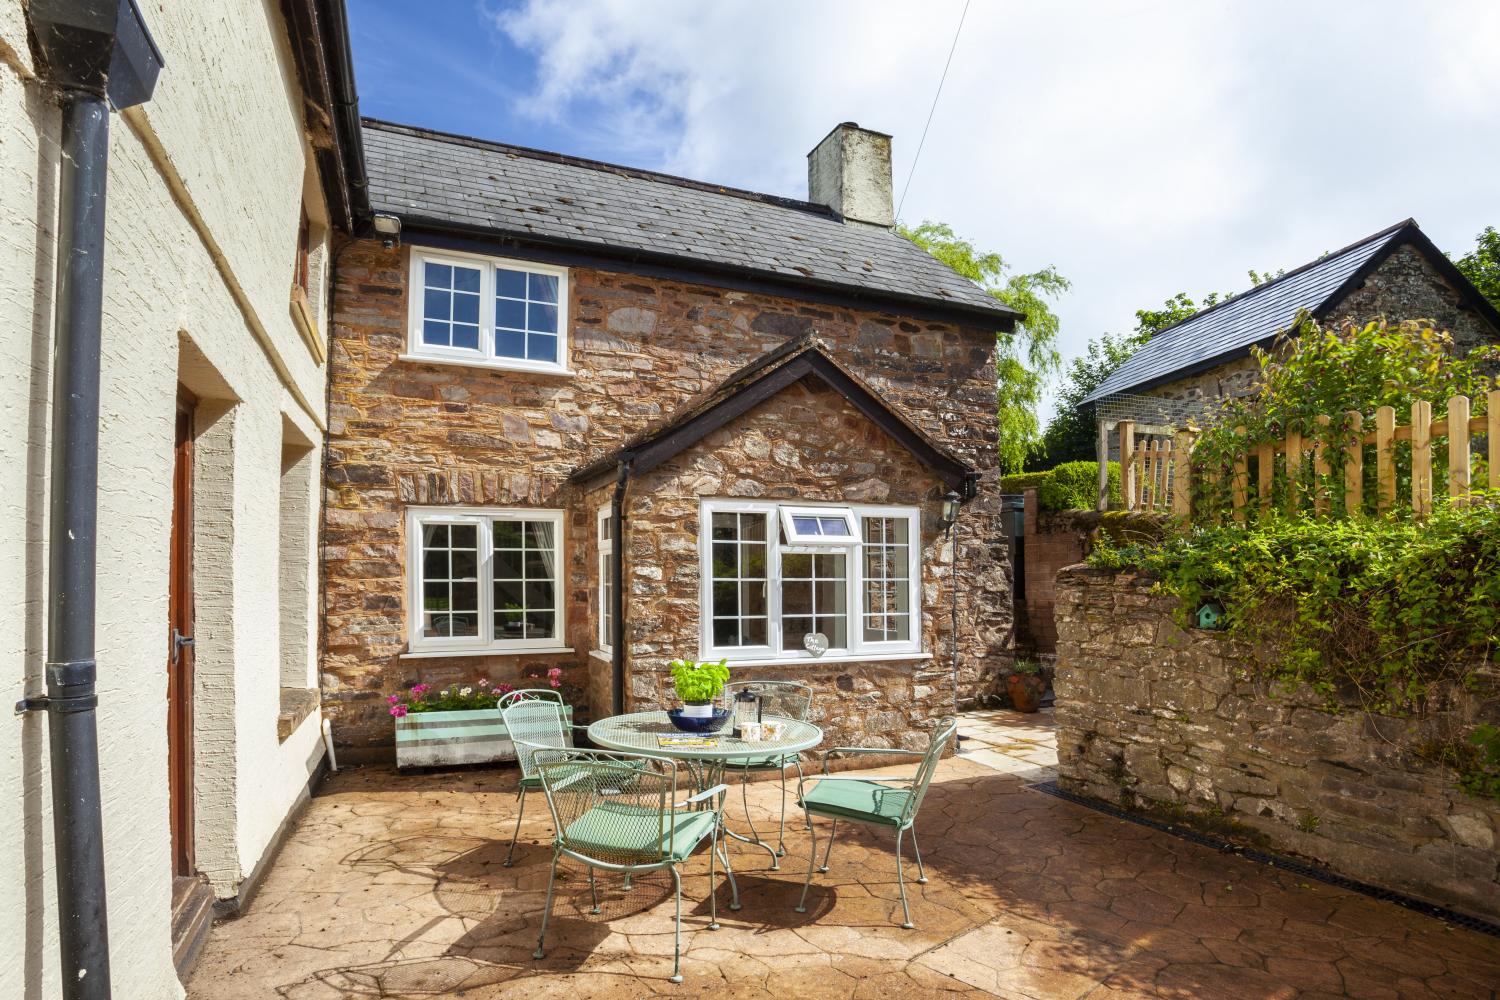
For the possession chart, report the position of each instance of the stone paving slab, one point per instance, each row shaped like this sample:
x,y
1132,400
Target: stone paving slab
x,y
393,886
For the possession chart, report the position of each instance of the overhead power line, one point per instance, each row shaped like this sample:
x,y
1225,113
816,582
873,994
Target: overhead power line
x,y
941,80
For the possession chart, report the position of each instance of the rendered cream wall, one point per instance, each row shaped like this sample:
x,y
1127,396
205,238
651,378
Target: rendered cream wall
x,y
205,187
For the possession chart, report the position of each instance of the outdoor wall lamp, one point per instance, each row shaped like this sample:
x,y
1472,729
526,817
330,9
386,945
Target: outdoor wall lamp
x,y
389,228
951,500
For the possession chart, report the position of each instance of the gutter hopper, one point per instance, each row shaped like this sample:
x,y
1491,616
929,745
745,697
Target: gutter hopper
x,y
98,46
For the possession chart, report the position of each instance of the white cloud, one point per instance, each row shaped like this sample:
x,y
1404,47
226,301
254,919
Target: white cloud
x,y
1141,147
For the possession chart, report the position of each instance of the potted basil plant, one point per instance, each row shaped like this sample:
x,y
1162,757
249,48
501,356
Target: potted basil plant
x,y
698,684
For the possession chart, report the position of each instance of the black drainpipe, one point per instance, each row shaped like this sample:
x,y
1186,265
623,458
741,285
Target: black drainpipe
x,y
95,53
617,597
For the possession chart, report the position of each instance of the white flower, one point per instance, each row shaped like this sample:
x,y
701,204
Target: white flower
x,y
466,691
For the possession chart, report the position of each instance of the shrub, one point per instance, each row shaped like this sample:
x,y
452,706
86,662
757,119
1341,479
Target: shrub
x,y
1070,486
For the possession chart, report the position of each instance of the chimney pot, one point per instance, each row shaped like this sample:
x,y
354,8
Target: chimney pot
x,y
850,172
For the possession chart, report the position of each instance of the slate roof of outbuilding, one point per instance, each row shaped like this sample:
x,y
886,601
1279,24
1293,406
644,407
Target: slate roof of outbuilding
x,y
1228,330
438,180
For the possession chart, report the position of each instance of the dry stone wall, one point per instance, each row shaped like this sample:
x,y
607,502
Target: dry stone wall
x,y
1155,717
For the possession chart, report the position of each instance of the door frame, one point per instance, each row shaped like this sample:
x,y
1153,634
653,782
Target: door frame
x,y
180,657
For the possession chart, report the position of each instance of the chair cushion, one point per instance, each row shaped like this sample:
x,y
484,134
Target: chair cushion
x,y
620,831
768,762
863,801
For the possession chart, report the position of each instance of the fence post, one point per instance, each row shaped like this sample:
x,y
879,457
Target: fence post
x,y
1127,462
1354,464
1103,450
1492,433
1265,473
1241,482
1385,459
1293,473
1322,467
1182,473
1458,450
1421,458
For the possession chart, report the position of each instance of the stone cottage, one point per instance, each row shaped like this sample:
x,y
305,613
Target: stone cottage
x,y
222,189
1397,273
597,418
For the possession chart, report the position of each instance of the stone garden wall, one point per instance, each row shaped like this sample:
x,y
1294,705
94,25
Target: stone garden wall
x,y
1156,718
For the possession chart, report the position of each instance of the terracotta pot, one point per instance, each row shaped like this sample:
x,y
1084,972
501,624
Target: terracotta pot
x,y
1025,691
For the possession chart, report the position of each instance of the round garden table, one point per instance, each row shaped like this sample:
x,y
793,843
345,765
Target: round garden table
x,y
640,732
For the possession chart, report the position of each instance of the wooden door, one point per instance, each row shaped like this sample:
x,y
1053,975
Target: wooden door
x,y
180,647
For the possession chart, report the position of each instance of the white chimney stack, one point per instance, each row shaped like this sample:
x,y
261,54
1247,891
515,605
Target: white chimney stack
x,y
850,172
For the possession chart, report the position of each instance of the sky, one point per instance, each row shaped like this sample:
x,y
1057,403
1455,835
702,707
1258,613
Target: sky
x,y
1142,147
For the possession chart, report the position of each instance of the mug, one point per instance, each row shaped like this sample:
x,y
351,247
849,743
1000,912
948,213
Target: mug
x,y
770,731
750,732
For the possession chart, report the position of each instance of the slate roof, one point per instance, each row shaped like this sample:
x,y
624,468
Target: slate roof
x,y
1228,330
436,180
756,382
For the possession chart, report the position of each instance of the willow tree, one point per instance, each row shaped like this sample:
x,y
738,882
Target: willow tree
x,y
1026,356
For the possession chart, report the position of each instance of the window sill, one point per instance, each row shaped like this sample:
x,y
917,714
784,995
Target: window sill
x,y
602,654
307,324
836,658
497,366
428,654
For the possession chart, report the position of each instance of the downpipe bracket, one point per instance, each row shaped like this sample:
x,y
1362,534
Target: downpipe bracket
x,y
70,685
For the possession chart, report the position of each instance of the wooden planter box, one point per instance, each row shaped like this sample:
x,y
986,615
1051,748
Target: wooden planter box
x,y
443,739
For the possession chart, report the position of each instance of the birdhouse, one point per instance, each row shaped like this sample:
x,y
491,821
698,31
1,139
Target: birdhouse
x,y
1210,615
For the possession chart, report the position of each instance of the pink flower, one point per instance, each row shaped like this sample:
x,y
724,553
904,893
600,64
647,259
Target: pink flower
x,y
555,672
418,688
394,699
484,682
399,711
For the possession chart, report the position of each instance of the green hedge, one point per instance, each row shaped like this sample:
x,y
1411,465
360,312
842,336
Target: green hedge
x,y
1070,486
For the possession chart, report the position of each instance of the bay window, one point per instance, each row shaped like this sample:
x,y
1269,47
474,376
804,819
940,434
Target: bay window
x,y
484,580
782,581
488,311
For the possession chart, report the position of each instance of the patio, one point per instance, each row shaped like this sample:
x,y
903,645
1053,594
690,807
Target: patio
x,y
392,886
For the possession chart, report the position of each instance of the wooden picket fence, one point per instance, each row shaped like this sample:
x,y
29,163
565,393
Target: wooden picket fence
x,y
1155,470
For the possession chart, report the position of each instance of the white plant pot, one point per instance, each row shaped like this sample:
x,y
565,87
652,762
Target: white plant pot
x,y
698,709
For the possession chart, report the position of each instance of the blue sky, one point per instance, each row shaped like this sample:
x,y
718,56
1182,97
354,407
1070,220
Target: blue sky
x,y
1142,147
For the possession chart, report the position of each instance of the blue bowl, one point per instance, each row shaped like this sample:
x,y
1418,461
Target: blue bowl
x,y
695,725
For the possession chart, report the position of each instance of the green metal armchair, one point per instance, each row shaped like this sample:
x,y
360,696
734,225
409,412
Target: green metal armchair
x,y
534,721
788,700
889,802
621,813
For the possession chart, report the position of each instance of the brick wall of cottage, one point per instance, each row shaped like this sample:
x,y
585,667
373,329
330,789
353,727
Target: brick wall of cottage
x,y
411,432
1405,286
1161,719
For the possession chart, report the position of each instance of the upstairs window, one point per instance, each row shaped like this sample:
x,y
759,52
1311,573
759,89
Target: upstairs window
x,y
487,311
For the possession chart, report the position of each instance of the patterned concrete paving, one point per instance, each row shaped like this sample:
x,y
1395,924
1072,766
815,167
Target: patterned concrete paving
x,y
392,886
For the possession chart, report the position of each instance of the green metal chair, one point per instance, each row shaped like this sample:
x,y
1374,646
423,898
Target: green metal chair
x,y
621,813
873,801
534,721
788,700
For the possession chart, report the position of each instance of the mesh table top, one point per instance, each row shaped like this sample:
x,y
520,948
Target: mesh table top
x,y
638,732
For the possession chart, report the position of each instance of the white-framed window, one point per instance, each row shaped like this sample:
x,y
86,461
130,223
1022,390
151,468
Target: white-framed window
x,y
606,581
488,311
484,579
819,525
774,574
